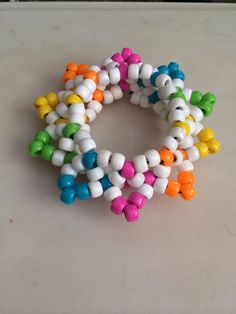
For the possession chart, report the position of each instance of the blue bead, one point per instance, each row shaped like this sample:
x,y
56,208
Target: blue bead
x,y
154,77
89,159
140,83
105,182
177,74
172,66
163,69
68,195
153,98
82,191
65,180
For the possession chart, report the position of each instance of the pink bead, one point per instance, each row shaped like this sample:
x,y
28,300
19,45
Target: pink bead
x,y
133,59
131,213
137,199
123,71
117,57
124,86
118,205
126,52
149,178
128,170
103,68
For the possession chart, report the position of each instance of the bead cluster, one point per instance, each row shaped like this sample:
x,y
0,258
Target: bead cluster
x,y
68,114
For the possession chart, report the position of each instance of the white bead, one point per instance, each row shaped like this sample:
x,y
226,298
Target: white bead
x,y
165,91
145,71
61,109
158,107
133,72
198,128
136,98
95,189
90,97
91,115
95,105
106,61
170,143
162,171
153,157
192,153
176,115
191,125
87,145
186,110
144,103
60,95
51,117
112,193
178,134
137,180
77,108
85,127
187,142
95,174
81,135
187,93
176,103
116,179
134,87
94,68
160,185
162,80
178,158
108,97
178,83
112,65
90,84
147,91
186,166
101,87
66,144
103,158
68,169
76,118
59,129
77,163
51,129
82,91
147,83
77,150
78,80
103,78
196,113
117,161
114,75
116,92
140,163
146,190
69,84
58,158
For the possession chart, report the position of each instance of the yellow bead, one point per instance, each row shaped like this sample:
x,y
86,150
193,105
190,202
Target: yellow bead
x,y
189,117
85,118
202,148
184,126
214,146
72,99
40,101
43,111
52,99
206,135
61,120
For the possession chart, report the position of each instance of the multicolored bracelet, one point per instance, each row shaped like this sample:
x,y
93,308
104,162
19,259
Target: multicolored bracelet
x,y
87,89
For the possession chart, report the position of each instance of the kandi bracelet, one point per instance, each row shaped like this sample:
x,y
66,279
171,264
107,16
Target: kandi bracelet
x,y
69,113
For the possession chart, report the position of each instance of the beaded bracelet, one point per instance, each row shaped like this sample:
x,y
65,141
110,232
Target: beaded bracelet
x,y
161,89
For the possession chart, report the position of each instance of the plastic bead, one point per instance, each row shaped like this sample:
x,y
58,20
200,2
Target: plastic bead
x,y
160,185
40,101
111,193
118,205
117,161
128,171
116,179
70,129
131,212
65,181
43,137
66,144
153,157
43,111
214,146
202,148
68,195
137,180
187,191
35,148
173,188
87,145
52,99
105,182
149,178
95,189
140,163
167,156
82,191
186,177
77,163
58,158
162,171
146,190
206,135
47,151
137,199
89,159
95,174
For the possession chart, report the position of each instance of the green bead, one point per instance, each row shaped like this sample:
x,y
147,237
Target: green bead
x,y
195,98
68,157
178,94
209,98
70,129
206,108
35,148
47,151
43,137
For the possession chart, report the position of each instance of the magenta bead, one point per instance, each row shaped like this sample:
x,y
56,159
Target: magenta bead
x,y
126,52
103,68
133,59
124,86
128,170
131,213
118,205
150,178
117,57
123,71
137,199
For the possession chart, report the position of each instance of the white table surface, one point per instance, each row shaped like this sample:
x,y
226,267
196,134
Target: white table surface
x,y
181,256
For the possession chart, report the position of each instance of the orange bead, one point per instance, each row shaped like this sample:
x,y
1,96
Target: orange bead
x,y
183,152
68,75
187,191
89,74
81,68
167,156
72,67
172,188
186,177
98,95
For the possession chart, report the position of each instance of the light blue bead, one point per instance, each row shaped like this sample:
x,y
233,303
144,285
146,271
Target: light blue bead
x,y
65,180
177,74
89,159
153,98
163,69
105,182
82,191
68,195
172,66
154,77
